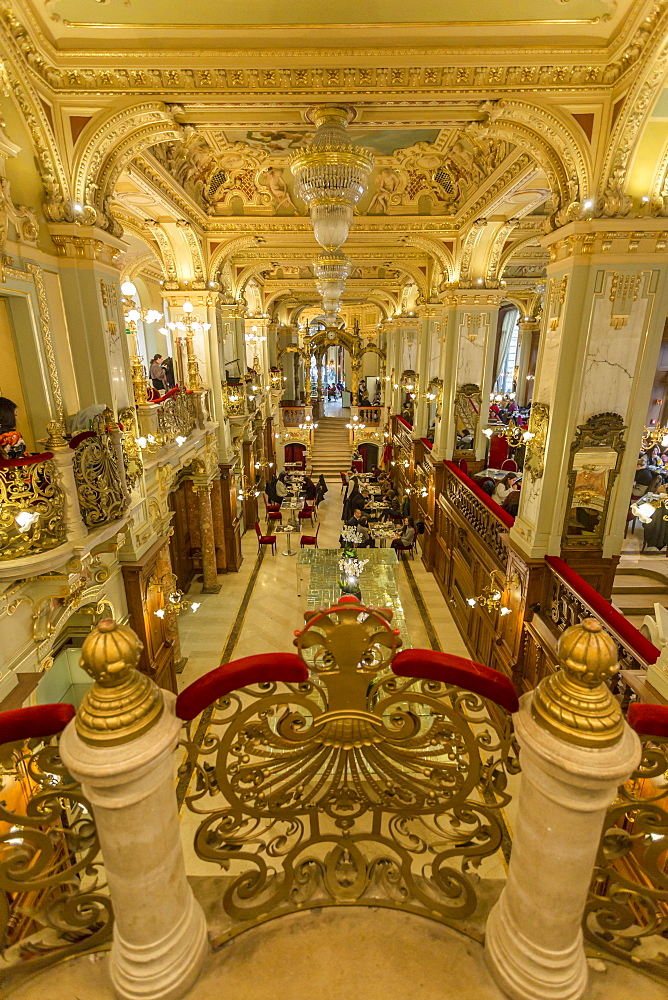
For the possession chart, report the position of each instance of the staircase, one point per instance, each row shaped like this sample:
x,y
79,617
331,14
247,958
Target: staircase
x,y
331,448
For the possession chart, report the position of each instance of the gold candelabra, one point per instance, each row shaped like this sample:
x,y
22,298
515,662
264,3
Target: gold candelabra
x,y
185,329
132,317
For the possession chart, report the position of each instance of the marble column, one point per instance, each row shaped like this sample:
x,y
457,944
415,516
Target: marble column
x,y
63,459
122,748
218,525
193,514
165,574
575,750
467,358
207,539
528,328
605,305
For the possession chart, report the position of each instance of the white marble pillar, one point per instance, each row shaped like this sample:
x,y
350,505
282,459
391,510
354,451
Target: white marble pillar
x,y
605,305
575,750
122,748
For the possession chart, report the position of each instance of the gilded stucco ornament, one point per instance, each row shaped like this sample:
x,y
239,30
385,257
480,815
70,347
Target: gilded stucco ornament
x,y
123,703
575,704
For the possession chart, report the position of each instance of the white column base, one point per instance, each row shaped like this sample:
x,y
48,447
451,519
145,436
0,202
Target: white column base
x,y
161,970
525,971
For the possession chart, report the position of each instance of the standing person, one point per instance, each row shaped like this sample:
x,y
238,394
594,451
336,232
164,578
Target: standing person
x,y
168,365
270,489
157,373
12,444
322,487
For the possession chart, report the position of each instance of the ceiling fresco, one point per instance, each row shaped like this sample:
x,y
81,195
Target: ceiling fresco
x,y
417,171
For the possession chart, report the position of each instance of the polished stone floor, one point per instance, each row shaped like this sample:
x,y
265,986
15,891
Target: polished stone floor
x,y
258,609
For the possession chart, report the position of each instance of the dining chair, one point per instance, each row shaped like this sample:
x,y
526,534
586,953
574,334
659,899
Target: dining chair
x,y
309,539
306,512
510,465
265,539
406,548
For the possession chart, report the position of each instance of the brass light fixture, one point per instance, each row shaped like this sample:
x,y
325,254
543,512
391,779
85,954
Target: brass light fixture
x,y
132,316
331,175
189,327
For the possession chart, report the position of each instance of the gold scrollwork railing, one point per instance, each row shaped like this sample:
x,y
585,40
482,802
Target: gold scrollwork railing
x,y
132,460
99,487
31,506
627,909
54,901
234,398
356,787
177,416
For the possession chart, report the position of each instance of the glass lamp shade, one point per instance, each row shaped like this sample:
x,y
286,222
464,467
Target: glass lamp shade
x,y
331,224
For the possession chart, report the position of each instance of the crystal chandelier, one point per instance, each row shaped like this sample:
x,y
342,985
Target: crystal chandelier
x,y
331,271
331,176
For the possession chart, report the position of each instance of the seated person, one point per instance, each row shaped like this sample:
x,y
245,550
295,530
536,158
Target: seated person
x,y
406,536
504,487
465,439
361,525
12,444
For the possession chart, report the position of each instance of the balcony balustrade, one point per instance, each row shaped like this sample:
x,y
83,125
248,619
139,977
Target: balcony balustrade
x,y
99,482
32,506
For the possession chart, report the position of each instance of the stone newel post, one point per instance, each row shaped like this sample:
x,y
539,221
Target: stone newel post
x,y
121,748
575,750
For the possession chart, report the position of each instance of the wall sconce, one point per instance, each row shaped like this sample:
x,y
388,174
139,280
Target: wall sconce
x,y
652,436
491,596
175,601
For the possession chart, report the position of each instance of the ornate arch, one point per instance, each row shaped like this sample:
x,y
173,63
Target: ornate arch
x,y
437,251
512,250
196,254
109,142
612,197
226,251
492,269
58,205
553,141
166,252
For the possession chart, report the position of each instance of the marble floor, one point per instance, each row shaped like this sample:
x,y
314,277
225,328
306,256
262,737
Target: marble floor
x,y
258,609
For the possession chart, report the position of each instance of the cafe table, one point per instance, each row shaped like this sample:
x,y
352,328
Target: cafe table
x,y
287,529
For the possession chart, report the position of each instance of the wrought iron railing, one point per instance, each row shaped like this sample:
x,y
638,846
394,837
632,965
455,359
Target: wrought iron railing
x,y
31,506
54,900
102,497
478,509
356,786
627,909
132,460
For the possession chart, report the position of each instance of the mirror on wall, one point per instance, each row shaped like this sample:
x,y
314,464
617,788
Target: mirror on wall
x,y
594,463
468,404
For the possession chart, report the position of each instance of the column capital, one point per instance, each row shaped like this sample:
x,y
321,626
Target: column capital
x,y
77,242
613,238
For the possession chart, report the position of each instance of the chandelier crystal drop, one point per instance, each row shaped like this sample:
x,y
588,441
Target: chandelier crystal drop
x,y
331,176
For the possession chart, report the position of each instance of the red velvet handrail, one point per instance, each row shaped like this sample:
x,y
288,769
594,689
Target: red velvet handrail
x,y
78,438
17,463
34,721
430,665
506,519
427,443
402,420
648,720
260,669
167,395
630,635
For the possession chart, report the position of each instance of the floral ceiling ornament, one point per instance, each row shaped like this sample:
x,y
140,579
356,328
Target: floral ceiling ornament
x,y
331,176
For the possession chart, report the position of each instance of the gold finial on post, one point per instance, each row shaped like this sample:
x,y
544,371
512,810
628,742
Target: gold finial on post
x,y
55,435
123,703
575,704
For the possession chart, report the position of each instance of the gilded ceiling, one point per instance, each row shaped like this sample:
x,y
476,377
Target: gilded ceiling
x,y
236,173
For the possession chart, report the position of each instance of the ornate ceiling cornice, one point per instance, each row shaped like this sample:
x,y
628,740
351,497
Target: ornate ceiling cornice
x,y
436,70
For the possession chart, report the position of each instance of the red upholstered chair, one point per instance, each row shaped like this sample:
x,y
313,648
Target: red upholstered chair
x,y
306,513
309,539
464,466
265,539
399,548
630,518
510,465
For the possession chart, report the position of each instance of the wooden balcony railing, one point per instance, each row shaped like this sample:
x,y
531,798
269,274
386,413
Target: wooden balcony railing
x,y
31,506
570,599
489,521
